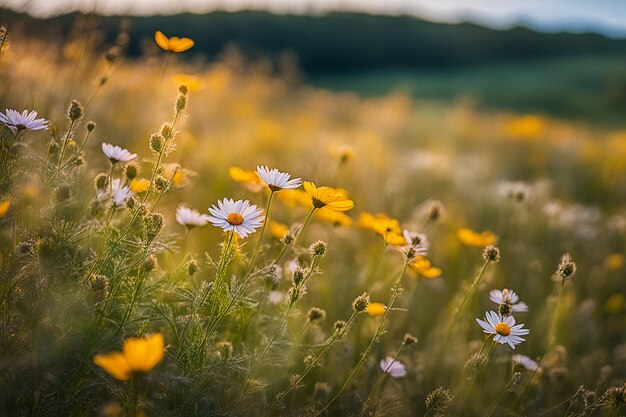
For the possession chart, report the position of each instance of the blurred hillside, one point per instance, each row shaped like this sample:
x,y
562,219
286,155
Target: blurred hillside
x,y
568,75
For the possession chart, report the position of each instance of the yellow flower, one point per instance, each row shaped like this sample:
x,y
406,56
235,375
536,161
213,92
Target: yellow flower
x,y
615,303
332,199
375,309
337,218
5,205
424,268
612,262
179,176
527,127
472,238
192,83
173,44
292,198
249,179
278,230
139,185
138,355
385,226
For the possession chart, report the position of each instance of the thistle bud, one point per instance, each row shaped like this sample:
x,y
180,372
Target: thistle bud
x,y
318,248
567,267
75,111
149,264
298,277
132,170
361,302
182,89
91,126
491,254
438,401
181,103
339,325
167,131
161,184
102,181
409,339
156,143
99,284
153,224
288,239
316,314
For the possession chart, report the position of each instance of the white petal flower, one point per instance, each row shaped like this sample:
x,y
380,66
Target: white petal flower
x,y
117,154
120,194
503,328
277,180
417,241
275,297
24,121
509,297
394,368
190,218
239,216
527,363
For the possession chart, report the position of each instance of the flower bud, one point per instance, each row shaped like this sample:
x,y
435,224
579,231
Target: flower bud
x,y
75,111
491,254
361,302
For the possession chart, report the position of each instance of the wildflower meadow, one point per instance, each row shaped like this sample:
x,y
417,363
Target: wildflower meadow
x,y
184,237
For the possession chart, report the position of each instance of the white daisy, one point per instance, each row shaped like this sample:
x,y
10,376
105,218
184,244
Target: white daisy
x,y
117,154
277,180
190,218
120,194
394,368
527,363
503,328
509,297
239,216
24,121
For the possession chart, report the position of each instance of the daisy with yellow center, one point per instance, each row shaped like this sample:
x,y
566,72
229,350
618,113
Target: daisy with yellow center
x,y
239,216
504,329
138,355
478,239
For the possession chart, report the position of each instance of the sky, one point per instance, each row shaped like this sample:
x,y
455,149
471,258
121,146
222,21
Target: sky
x,y
603,16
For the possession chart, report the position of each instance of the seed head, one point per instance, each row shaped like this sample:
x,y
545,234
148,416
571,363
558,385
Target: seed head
x,y
474,362
615,396
438,401
288,239
192,268
225,349
132,170
75,111
99,284
298,277
156,143
181,103
318,248
102,181
25,248
435,211
361,302
149,264
294,294
161,184
167,131
567,267
409,340
182,89
91,126
491,254
339,325
316,314
153,224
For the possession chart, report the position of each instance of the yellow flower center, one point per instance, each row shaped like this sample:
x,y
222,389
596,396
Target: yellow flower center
x,y
235,219
503,329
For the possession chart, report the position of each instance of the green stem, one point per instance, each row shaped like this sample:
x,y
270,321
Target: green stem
x,y
258,242
394,294
380,379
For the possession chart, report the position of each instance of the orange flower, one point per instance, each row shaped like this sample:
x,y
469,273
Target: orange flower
x,y
249,179
331,198
5,205
337,218
278,230
138,355
173,44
